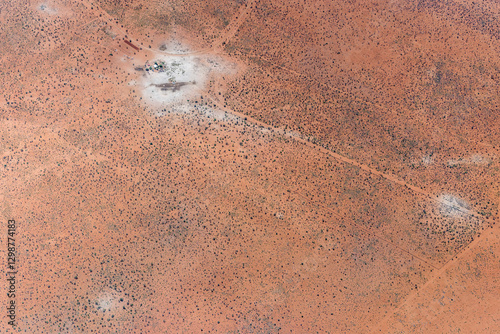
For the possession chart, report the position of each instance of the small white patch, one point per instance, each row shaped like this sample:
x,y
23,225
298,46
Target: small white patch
x,y
107,301
479,159
452,206
218,114
427,160
174,47
46,8
475,159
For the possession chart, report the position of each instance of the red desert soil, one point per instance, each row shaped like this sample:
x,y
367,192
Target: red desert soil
x,y
251,166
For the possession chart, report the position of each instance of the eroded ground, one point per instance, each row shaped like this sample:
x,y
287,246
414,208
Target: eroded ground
x,y
251,166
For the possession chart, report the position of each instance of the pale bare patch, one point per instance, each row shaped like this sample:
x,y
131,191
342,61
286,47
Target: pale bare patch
x,y
172,80
47,8
452,206
108,300
476,159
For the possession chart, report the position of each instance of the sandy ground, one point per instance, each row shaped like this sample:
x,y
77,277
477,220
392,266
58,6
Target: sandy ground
x,y
329,168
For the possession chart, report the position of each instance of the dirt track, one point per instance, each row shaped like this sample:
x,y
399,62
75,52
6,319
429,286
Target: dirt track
x,y
333,169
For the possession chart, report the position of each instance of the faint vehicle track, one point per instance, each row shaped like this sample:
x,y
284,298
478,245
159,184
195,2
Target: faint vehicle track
x,y
439,273
234,25
438,270
224,38
231,29
387,176
390,177
230,32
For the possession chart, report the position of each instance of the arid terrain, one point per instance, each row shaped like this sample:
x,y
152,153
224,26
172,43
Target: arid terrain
x,y
250,166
